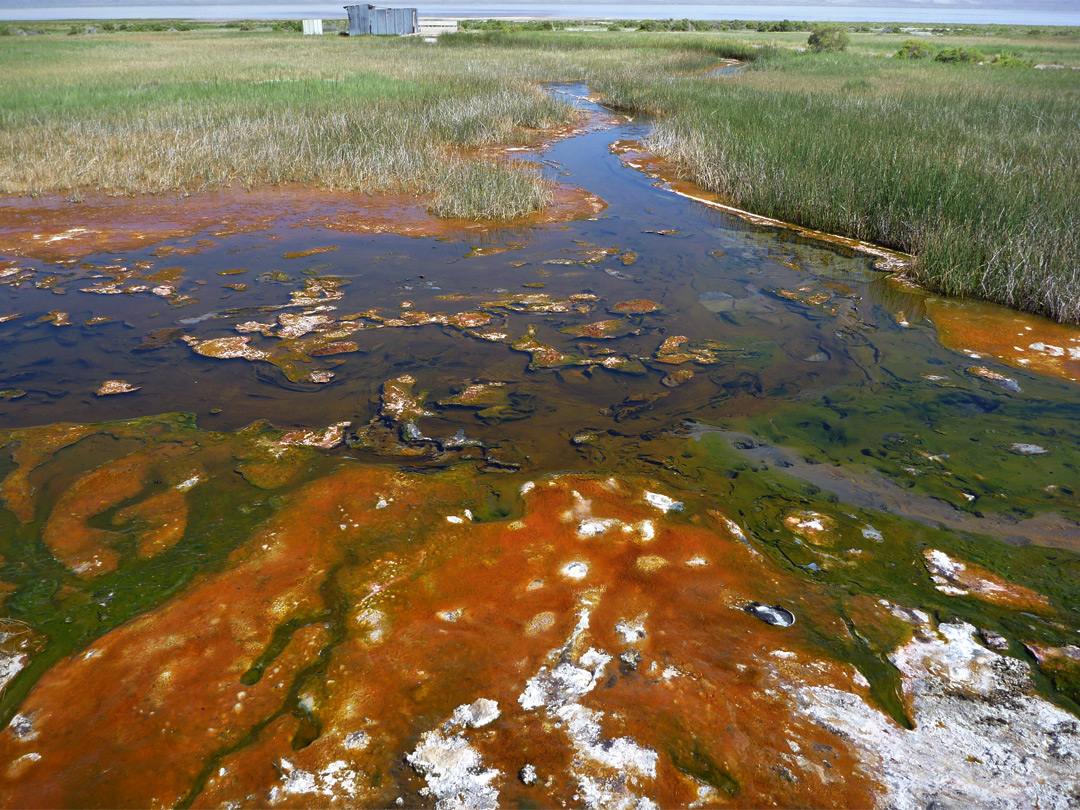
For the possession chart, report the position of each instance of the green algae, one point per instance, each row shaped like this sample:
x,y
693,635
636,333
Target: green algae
x,y
1063,674
71,612
689,755
856,566
944,442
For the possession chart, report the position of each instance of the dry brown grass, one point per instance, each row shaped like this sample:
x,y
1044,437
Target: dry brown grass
x,y
133,113
156,114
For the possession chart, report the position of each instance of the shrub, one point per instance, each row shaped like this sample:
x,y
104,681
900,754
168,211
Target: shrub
x,y
959,54
1006,59
915,49
5,30
488,25
828,39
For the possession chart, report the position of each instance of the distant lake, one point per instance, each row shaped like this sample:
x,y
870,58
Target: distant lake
x,y
1049,13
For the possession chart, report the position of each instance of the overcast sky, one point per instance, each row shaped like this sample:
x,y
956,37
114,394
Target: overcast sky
x,y
1035,12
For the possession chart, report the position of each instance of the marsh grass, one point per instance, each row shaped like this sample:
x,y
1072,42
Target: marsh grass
x,y
973,169
482,190
133,113
125,117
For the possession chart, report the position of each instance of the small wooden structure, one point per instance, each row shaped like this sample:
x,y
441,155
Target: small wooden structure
x,y
366,19
313,28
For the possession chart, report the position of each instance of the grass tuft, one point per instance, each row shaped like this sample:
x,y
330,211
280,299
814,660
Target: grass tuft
x,y
154,115
482,190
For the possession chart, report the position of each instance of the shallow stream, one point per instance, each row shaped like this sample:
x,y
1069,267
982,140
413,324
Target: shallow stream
x,y
795,402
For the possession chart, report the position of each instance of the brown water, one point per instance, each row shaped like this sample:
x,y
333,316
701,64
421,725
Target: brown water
x,y
280,622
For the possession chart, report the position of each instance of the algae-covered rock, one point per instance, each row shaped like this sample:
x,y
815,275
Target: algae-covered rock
x,y
111,387
638,306
543,355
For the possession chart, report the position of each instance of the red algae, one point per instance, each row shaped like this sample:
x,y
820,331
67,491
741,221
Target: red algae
x,y
679,349
100,718
480,394
302,254
637,307
543,355
35,445
669,351
600,330
88,551
112,387
335,347
960,578
163,517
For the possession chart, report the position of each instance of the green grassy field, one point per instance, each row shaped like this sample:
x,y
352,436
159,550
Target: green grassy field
x,y
131,113
972,168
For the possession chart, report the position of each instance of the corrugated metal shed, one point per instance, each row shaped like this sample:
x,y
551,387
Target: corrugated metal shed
x,y
366,19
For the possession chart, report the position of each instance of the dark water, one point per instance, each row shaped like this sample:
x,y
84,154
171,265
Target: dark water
x,y
787,318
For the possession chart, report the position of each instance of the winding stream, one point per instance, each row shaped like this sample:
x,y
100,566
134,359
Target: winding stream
x,y
377,516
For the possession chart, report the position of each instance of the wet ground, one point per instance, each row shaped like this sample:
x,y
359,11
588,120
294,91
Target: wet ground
x,y
321,501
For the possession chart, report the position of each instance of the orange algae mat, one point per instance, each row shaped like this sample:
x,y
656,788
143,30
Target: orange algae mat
x,y
55,230
1017,339
596,641
375,635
